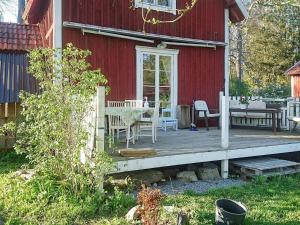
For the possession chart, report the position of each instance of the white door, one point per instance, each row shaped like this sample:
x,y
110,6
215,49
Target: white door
x,y
157,76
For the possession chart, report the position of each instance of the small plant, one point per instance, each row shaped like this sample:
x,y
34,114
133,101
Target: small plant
x,y
244,100
149,201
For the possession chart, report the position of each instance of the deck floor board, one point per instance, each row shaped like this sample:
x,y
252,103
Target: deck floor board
x,y
185,141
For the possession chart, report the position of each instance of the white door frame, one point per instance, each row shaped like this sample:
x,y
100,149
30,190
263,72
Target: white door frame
x,y
140,50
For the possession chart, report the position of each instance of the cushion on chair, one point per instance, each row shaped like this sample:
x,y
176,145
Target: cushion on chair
x,y
257,105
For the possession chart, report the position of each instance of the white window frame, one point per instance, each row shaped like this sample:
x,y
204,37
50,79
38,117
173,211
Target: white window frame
x,y
156,7
140,50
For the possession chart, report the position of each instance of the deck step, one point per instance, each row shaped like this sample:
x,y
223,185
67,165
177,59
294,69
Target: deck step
x,y
141,152
265,166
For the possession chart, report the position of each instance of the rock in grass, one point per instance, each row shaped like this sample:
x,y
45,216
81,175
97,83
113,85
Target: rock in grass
x,y
209,171
187,176
182,219
25,174
138,178
132,214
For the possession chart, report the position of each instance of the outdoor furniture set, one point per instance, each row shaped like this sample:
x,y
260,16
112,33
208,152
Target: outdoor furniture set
x,y
255,110
136,119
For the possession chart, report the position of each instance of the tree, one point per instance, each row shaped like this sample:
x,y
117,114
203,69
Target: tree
x,y
270,40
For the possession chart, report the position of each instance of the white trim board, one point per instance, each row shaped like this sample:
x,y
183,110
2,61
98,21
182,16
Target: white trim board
x,y
242,7
182,159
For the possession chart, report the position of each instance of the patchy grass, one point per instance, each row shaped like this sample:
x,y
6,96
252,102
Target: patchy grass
x,y
270,202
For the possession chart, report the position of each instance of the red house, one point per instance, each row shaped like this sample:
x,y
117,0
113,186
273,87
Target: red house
x,y
294,73
174,63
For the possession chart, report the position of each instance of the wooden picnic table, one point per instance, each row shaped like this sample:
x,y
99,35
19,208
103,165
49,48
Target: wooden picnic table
x,y
273,111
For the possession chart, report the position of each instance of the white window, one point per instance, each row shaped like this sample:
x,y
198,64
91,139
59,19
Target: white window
x,y
158,5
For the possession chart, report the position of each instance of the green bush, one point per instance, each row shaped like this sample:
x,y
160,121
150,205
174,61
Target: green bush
x,y
273,91
238,87
51,132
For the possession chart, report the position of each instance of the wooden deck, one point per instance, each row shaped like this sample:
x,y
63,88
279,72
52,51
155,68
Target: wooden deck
x,y
185,147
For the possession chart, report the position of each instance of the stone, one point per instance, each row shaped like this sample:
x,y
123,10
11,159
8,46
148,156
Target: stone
x,y
132,214
1,221
187,176
169,209
209,171
182,219
170,173
25,174
192,167
138,178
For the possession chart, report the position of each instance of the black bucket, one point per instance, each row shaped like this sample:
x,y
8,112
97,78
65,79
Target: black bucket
x,y
229,212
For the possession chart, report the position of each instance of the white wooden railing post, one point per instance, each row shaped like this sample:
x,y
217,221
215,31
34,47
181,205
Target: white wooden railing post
x,y
100,119
221,94
100,123
225,122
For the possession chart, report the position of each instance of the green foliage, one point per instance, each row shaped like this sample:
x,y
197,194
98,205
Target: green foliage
x,y
272,45
41,200
238,87
269,202
273,91
52,133
275,201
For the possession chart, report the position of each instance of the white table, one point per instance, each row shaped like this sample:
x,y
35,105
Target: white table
x,y
129,115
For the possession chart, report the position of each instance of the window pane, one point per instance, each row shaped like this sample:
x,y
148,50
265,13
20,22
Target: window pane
x,y
163,3
165,81
148,62
149,78
148,1
165,63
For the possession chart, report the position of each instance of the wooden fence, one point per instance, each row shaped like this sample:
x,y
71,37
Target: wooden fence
x,y
8,113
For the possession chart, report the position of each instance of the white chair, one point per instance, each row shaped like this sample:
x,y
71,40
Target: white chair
x,y
148,128
134,103
202,112
116,123
116,104
167,120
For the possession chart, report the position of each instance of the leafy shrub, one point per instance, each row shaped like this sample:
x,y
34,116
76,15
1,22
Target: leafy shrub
x,y
52,133
273,91
238,87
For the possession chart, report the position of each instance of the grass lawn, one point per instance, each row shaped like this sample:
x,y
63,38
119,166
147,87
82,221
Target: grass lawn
x,y
273,202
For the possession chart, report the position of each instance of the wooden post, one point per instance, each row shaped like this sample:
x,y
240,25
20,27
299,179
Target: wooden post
x,y
225,99
224,168
100,119
225,123
100,122
221,94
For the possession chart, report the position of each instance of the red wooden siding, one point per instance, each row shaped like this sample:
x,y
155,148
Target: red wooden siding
x,y
46,25
205,21
296,85
200,70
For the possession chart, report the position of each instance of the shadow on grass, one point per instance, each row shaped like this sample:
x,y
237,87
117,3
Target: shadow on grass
x,y
11,161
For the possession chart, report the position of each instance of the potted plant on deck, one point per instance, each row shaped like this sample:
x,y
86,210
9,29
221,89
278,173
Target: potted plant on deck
x,y
244,102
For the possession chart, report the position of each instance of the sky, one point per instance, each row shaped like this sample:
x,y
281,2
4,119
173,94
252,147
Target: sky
x,y
11,14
